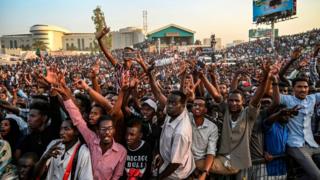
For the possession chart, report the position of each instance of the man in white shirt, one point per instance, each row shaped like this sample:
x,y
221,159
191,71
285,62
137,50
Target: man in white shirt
x,y
177,161
66,158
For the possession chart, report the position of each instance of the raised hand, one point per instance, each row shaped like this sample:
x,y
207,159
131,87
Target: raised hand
x,y
51,75
125,81
303,63
151,67
103,32
53,151
287,113
190,87
316,50
139,58
94,71
296,53
81,84
134,82
275,68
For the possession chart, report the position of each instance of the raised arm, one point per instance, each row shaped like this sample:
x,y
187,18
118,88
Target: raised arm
x,y
294,56
155,89
284,114
103,47
93,75
255,100
75,114
211,89
5,105
41,165
235,81
213,77
314,74
97,97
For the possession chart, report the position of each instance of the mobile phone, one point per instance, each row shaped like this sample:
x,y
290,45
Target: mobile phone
x,y
200,65
129,55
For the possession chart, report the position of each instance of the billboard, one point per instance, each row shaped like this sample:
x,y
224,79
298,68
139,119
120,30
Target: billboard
x,y
261,33
264,10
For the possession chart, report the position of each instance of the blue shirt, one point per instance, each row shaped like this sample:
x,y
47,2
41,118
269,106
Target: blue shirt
x,y
275,138
299,126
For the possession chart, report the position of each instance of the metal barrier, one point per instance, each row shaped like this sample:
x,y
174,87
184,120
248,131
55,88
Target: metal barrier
x,y
280,168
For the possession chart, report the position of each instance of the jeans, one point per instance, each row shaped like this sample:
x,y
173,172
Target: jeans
x,y
308,158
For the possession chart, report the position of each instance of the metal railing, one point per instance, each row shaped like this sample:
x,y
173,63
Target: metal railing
x,y
280,168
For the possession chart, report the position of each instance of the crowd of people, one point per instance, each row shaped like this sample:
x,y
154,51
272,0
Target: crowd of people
x,y
118,116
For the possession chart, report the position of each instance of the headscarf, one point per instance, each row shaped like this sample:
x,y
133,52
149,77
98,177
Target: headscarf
x,y
7,170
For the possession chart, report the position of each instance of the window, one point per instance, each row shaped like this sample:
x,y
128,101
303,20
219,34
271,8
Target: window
x,y
79,44
40,34
40,39
11,44
82,40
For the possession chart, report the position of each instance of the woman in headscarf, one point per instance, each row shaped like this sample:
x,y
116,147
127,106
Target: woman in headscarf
x,y
7,170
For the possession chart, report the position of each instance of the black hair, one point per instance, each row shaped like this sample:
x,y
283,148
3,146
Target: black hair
x,y
237,91
30,155
183,97
71,124
114,93
135,123
200,97
103,112
283,84
14,134
85,101
34,157
41,106
106,118
299,79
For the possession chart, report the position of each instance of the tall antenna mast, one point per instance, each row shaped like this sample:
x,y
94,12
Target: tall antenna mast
x,y
145,21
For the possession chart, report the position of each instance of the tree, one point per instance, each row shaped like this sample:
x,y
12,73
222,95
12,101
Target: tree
x,y
39,45
99,21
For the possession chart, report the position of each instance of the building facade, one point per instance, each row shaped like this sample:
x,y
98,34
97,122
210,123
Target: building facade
x,y
55,38
78,41
127,37
172,34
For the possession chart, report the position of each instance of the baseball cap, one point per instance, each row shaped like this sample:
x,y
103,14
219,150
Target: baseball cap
x,y
150,103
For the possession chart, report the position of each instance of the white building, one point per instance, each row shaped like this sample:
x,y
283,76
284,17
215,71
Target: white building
x,y
56,38
79,41
127,37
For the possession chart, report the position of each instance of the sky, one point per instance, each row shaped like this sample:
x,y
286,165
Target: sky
x,y
228,19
